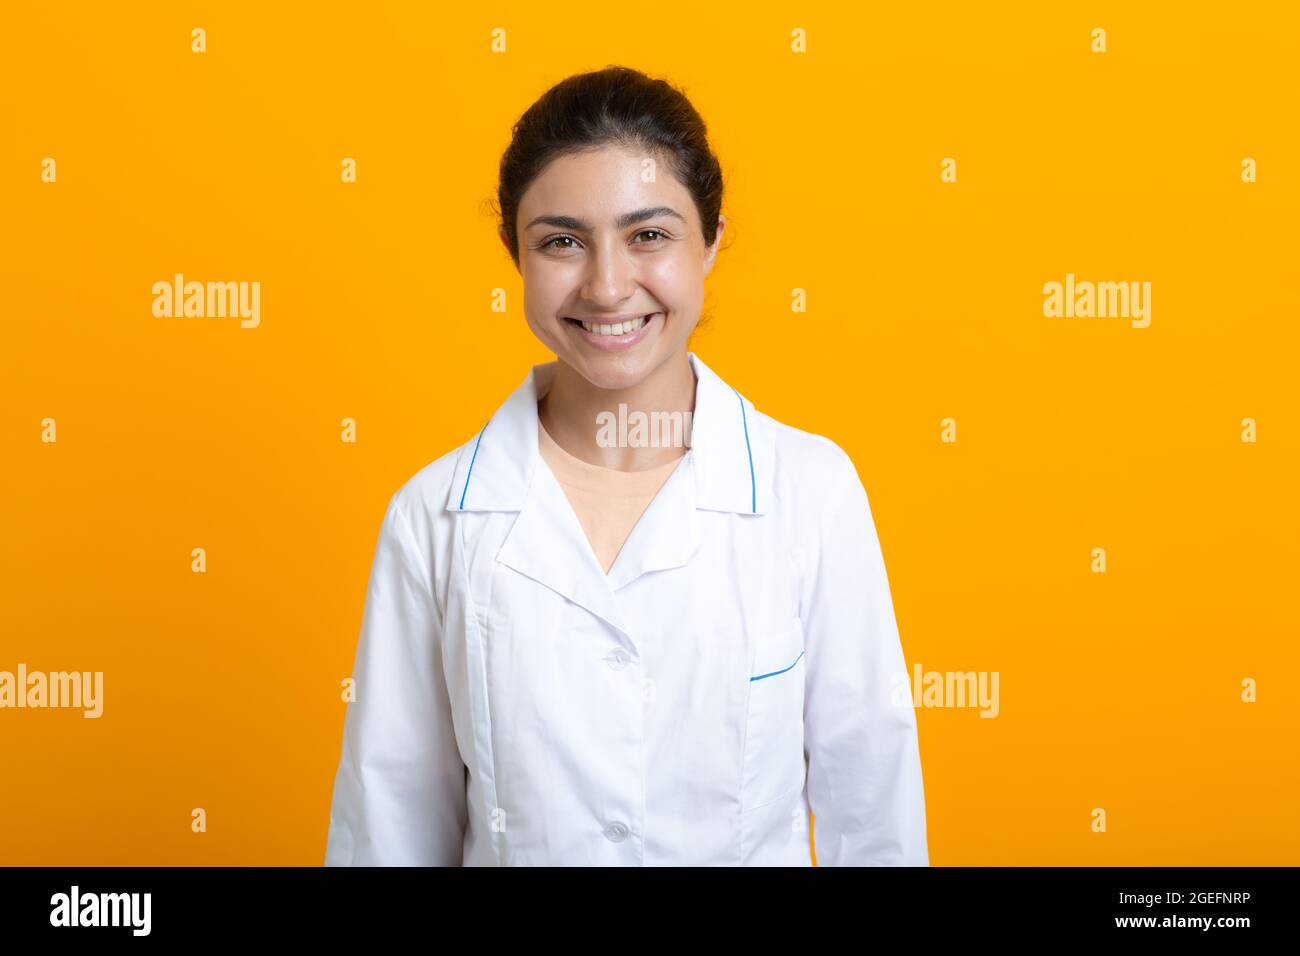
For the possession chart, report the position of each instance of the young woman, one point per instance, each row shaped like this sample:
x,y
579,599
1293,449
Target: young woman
x,y
585,645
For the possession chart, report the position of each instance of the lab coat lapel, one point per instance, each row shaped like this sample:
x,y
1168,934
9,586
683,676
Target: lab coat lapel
x,y
729,452
547,544
728,468
503,470
667,534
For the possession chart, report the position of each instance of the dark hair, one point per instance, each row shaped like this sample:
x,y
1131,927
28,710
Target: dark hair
x,y
618,106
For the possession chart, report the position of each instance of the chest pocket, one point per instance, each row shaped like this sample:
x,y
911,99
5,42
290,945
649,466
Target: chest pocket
x,y
774,756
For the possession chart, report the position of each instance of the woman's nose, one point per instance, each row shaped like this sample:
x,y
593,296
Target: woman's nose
x,y
610,278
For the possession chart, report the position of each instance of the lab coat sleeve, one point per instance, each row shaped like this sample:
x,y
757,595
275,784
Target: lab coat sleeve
x,y
399,793
860,732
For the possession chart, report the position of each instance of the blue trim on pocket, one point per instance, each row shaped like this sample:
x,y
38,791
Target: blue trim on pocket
x,y
781,671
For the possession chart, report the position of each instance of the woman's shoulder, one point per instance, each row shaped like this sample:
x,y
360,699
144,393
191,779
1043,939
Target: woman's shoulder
x,y
814,479
809,459
424,495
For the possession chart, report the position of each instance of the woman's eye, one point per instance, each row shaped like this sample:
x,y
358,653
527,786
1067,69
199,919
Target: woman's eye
x,y
550,244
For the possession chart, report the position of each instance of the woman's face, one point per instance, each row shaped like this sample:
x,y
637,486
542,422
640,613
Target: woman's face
x,y
598,242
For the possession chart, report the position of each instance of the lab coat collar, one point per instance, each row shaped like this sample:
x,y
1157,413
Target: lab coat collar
x,y
731,450
727,468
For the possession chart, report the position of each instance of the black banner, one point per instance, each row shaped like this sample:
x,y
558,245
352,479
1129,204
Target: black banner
x,y
237,904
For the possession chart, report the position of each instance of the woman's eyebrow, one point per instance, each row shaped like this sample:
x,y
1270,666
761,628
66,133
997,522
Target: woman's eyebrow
x,y
625,220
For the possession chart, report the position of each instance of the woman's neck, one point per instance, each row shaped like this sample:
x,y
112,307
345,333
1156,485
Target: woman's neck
x,y
570,410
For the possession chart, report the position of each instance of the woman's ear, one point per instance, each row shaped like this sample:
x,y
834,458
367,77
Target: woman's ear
x,y
505,241
711,253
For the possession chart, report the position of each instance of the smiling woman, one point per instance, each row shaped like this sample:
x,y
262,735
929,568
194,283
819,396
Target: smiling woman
x,y
578,651
612,217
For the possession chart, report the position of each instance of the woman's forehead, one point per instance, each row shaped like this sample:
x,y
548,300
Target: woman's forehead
x,y
602,186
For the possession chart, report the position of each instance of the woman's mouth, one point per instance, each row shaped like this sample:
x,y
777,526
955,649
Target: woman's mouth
x,y
614,336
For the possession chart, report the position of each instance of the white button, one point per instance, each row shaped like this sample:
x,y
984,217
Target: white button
x,y
618,659
616,832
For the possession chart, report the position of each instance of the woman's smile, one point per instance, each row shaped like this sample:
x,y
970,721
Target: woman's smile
x,y
614,334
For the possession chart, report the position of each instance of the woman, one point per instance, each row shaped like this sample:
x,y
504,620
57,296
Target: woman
x,y
580,646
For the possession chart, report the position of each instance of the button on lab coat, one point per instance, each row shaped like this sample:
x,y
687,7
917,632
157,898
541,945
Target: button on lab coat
x,y
738,667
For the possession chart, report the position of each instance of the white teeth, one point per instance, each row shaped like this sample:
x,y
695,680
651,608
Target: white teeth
x,y
618,328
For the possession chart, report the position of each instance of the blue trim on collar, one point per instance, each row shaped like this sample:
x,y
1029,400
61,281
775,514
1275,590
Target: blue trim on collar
x,y
471,463
753,484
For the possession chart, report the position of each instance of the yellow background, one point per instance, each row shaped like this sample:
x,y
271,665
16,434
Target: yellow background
x,y
1118,690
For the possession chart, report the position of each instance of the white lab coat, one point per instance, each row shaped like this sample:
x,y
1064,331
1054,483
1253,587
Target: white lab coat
x,y
739,665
